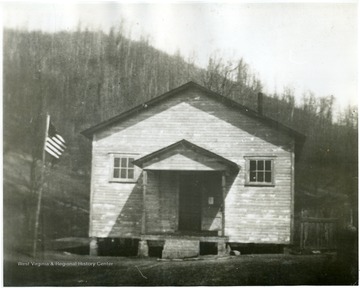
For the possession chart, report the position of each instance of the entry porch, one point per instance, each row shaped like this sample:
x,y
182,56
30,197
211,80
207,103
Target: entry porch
x,y
184,188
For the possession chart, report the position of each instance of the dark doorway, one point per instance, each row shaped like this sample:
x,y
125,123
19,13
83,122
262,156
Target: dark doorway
x,y
190,202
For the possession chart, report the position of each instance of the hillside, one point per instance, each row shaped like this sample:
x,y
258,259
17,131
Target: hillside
x,y
81,78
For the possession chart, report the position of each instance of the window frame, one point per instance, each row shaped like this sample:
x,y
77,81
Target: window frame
x,y
247,171
112,157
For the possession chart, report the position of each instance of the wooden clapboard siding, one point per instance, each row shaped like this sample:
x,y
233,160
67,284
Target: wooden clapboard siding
x,y
253,214
262,211
211,214
161,208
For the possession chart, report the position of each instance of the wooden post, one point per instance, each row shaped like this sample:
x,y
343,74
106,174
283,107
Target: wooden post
x,y
143,248
302,235
38,206
318,235
143,222
223,186
177,183
292,200
94,247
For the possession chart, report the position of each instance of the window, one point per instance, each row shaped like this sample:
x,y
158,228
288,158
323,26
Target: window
x,y
123,168
260,171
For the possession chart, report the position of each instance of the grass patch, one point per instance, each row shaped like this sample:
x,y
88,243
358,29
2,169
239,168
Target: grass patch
x,y
129,271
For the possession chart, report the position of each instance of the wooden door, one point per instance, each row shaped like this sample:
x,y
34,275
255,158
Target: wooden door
x,y
189,203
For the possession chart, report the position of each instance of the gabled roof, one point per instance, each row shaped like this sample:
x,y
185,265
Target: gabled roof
x,y
184,155
192,85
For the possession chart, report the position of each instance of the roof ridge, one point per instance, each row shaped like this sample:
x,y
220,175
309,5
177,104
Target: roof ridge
x,y
225,100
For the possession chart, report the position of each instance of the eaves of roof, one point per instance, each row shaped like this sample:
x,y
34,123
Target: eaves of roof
x,y
300,138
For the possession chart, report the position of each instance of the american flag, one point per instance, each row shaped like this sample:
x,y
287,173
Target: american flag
x,y
55,144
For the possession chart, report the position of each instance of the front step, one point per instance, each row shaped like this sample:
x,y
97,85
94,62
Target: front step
x,y
180,248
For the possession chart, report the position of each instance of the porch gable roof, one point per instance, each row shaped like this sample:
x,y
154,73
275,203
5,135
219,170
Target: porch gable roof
x,y
185,156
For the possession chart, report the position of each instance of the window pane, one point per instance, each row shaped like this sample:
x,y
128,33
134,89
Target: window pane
x,y
252,165
116,173
123,162
260,171
260,165
131,173
268,165
123,167
123,173
131,165
252,176
268,177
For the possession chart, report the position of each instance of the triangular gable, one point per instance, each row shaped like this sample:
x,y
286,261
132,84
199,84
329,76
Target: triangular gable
x,y
191,85
184,156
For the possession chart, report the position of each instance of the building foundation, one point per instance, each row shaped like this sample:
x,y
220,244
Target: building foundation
x,y
94,247
143,250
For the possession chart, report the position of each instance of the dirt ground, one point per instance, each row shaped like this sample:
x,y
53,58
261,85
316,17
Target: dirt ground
x,y
64,269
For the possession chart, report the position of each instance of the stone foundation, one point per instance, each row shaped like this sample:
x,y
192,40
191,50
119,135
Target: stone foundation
x,y
143,250
221,248
93,247
180,248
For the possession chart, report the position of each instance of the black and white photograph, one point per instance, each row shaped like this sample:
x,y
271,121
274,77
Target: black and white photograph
x,y
181,143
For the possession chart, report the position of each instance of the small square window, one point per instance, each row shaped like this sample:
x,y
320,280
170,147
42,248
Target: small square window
x,y
123,168
260,172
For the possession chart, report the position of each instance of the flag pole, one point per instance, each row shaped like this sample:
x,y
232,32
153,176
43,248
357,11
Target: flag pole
x,y
38,206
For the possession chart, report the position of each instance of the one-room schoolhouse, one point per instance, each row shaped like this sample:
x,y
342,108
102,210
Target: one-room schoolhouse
x,y
191,172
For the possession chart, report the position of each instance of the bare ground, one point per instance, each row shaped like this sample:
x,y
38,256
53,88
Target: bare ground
x,y
60,269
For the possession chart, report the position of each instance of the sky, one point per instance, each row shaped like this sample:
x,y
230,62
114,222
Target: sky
x,y
304,46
